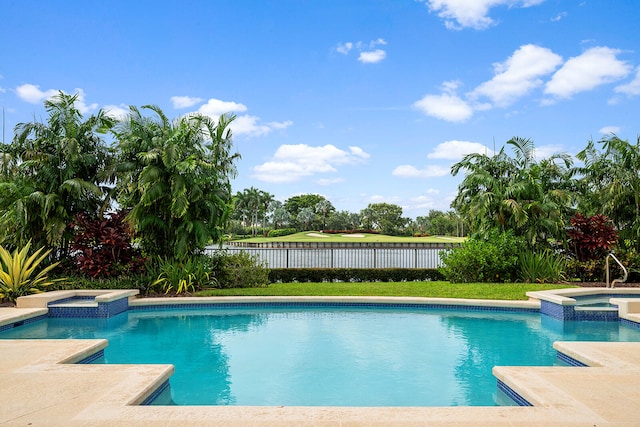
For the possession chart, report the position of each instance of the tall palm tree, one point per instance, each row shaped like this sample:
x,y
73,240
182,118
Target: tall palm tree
x,y
611,180
324,207
174,176
60,166
515,193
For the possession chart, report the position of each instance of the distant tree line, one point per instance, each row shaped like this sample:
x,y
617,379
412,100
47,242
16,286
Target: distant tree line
x,y
256,212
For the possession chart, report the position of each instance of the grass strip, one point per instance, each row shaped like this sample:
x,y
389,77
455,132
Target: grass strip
x,y
500,291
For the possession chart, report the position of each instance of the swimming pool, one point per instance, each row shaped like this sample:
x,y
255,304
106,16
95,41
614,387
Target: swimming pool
x,y
330,356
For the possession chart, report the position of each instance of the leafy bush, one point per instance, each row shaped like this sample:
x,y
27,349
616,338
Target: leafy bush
x,y
239,270
19,273
591,238
102,247
586,271
289,275
475,260
281,232
542,267
182,276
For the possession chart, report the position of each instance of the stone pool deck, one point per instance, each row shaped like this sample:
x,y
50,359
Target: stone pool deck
x,y
41,386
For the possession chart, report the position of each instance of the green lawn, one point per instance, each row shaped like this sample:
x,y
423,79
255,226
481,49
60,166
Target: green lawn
x,y
502,291
314,236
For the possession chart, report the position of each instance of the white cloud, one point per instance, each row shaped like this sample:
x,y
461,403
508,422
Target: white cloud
x,y
372,57
344,48
426,201
118,112
459,14
280,125
445,106
293,162
559,16
32,93
368,52
184,101
455,150
430,171
518,75
244,124
607,130
632,88
546,151
215,107
595,67
249,125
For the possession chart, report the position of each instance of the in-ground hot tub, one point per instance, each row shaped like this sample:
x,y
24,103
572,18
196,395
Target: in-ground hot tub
x,y
80,303
606,304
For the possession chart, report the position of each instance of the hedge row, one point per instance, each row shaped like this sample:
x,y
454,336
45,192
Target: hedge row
x,y
286,275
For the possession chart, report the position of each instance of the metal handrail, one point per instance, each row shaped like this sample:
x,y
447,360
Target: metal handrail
x,y
624,279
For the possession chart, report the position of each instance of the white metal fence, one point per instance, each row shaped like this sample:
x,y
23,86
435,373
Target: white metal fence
x,y
344,257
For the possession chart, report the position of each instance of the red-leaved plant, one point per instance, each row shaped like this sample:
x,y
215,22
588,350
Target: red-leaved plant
x,y
102,247
591,237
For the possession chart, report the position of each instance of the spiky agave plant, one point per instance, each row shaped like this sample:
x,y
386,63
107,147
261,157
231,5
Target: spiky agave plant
x,y
20,274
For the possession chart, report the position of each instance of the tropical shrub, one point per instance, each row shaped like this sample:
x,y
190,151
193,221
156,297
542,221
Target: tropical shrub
x,y
542,267
181,276
102,247
476,260
586,271
20,274
239,270
591,237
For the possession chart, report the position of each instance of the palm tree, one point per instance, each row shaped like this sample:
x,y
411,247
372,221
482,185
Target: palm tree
x,y
252,204
324,207
59,171
306,216
515,193
174,176
611,183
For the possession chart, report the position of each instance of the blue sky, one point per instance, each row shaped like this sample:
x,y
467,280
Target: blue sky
x,y
362,101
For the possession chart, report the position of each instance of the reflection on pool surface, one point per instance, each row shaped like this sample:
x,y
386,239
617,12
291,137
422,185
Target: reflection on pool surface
x,y
330,356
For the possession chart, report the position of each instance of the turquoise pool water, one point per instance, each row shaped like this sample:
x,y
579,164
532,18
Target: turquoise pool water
x,y
330,356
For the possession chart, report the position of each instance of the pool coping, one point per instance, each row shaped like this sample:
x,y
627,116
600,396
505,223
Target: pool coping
x,y
558,394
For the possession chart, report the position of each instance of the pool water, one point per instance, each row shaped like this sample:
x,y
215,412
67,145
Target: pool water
x,y
601,301
330,356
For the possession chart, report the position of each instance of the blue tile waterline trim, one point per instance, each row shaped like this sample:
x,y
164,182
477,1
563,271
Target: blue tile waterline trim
x,y
521,401
23,322
92,358
570,360
157,392
318,304
630,323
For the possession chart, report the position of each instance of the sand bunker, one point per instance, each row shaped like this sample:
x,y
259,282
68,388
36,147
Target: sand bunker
x,y
316,235
353,235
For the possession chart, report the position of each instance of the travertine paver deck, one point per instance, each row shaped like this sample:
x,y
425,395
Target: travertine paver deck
x,y
38,390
